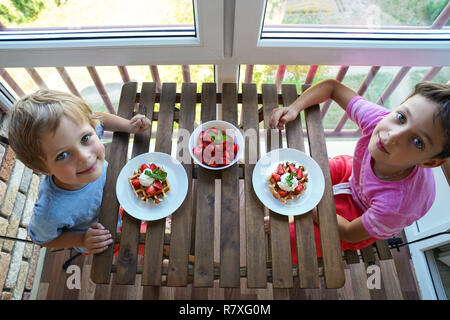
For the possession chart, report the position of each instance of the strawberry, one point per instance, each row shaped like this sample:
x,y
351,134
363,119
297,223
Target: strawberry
x,y
299,175
292,168
157,184
276,176
282,193
152,166
227,159
299,187
143,167
211,161
150,190
136,183
198,150
280,169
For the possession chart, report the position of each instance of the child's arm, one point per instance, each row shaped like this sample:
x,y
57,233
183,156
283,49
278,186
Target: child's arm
x,y
96,239
114,123
320,92
349,231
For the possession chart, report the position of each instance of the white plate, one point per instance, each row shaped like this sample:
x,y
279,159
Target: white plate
x,y
176,177
309,198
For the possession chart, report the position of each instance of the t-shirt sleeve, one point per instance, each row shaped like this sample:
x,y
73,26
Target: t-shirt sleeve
x,y
381,224
42,229
365,113
100,131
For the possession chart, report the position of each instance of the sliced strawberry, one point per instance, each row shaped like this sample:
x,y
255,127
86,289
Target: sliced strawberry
x,y
150,190
136,183
157,184
227,159
213,130
299,187
198,150
299,174
143,167
280,169
212,162
152,166
236,147
209,151
292,168
276,176
282,193
218,150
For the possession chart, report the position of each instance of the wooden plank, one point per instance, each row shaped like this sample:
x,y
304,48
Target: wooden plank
x,y
101,264
229,222
154,240
304,225
383,250
368,255
254,209
204,221
128,250
359,281
351,256
182,218
390,280
326,211
279,224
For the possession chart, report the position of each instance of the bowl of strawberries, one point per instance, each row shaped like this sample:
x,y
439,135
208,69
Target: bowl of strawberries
x,y
216,145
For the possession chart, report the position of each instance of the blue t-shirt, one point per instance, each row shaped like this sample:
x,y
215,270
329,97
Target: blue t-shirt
x,y
57,209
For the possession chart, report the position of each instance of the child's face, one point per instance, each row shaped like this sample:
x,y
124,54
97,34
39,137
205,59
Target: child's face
x,y
74,154
409,135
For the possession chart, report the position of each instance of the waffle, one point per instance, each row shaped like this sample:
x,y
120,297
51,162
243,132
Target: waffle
x,y
290,195
140,191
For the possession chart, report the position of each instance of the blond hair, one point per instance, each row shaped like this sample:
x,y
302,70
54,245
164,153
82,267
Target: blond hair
x,y
38,113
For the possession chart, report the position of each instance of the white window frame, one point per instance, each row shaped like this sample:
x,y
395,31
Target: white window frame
x,y
205,48
435,221
249,48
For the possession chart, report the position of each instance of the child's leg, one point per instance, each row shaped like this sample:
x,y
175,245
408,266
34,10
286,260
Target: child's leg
x,y
340,171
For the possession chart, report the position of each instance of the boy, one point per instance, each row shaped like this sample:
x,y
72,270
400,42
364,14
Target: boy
x,y
57,134
388,183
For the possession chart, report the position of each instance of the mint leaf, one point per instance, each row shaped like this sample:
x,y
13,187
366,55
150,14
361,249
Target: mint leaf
x,y
156,174
213,136
289,179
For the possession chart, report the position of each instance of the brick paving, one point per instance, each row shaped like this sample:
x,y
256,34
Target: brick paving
x,y
18,192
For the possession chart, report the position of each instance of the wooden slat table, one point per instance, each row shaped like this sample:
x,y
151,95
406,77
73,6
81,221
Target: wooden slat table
x,y
193,228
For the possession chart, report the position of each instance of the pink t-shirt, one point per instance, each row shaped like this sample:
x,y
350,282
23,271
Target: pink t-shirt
x,y
388,206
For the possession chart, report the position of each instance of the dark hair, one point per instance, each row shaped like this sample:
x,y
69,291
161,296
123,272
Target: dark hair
x,y
440,94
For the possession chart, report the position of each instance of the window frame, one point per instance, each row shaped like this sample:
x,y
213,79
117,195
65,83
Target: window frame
x,y
204,48
251,48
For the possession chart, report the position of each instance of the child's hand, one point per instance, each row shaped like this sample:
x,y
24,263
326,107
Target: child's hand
x,y
280,116
97,238
139,123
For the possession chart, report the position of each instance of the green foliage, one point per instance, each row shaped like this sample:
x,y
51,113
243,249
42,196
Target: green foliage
x,y
434,8
21,11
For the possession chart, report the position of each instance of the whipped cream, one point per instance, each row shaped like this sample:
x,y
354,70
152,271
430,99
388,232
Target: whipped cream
x,y
284,185
144,179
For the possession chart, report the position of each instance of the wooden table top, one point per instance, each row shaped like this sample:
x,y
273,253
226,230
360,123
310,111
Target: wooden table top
x,y
192,224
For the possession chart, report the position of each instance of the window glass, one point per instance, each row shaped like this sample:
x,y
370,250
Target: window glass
x,y
99,15
356,13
